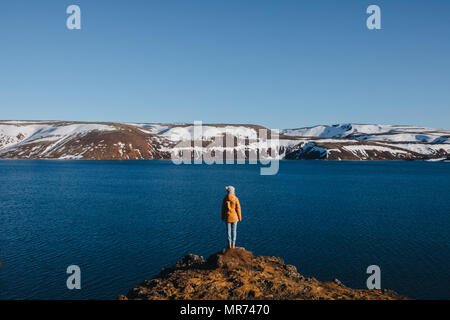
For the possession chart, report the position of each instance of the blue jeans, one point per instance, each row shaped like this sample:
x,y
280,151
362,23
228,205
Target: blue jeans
x,y
232,230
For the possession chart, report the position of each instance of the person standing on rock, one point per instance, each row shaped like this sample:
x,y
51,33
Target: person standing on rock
x,y
231,214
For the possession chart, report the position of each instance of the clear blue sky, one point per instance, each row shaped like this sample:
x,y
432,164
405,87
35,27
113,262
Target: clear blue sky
x,y
278,63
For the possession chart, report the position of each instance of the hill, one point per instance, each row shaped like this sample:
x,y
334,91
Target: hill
x,y
146,141
238,274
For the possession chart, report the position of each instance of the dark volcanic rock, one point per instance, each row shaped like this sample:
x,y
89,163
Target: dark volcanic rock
x,y
189,261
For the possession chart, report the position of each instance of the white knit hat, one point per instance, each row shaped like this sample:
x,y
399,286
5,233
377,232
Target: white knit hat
x,y
230,189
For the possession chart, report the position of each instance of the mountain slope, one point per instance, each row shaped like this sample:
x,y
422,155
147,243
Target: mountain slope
x,y
385,133
126,141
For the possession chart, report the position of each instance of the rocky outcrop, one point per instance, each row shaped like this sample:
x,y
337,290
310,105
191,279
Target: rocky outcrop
x,y
306,151
238,274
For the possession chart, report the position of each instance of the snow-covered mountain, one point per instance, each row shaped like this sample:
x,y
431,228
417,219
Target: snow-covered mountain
x,y
372,141
371,132
114,141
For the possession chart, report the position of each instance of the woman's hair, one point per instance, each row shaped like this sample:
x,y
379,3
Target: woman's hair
x,y
230,189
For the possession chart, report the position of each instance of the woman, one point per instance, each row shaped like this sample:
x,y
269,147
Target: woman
x,y
231,214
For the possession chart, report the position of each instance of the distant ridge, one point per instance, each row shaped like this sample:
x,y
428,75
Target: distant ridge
x,y
64,140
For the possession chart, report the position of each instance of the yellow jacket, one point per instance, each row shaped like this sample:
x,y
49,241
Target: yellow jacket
x,y
231,209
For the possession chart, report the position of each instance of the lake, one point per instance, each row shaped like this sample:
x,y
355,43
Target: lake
x,y
122,221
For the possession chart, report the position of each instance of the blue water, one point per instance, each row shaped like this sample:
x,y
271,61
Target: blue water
x,y
121,222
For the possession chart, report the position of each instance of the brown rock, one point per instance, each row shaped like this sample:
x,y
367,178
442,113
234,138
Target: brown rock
x,y
231,258
238,274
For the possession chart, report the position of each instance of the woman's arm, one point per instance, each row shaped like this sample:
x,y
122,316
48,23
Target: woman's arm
x,y
238,209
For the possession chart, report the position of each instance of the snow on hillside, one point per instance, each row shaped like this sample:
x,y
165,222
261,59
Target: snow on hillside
x,y
370,132
364,148
152,128
77,140
322,131
187,133
426,149
180,132
13,133
338,130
